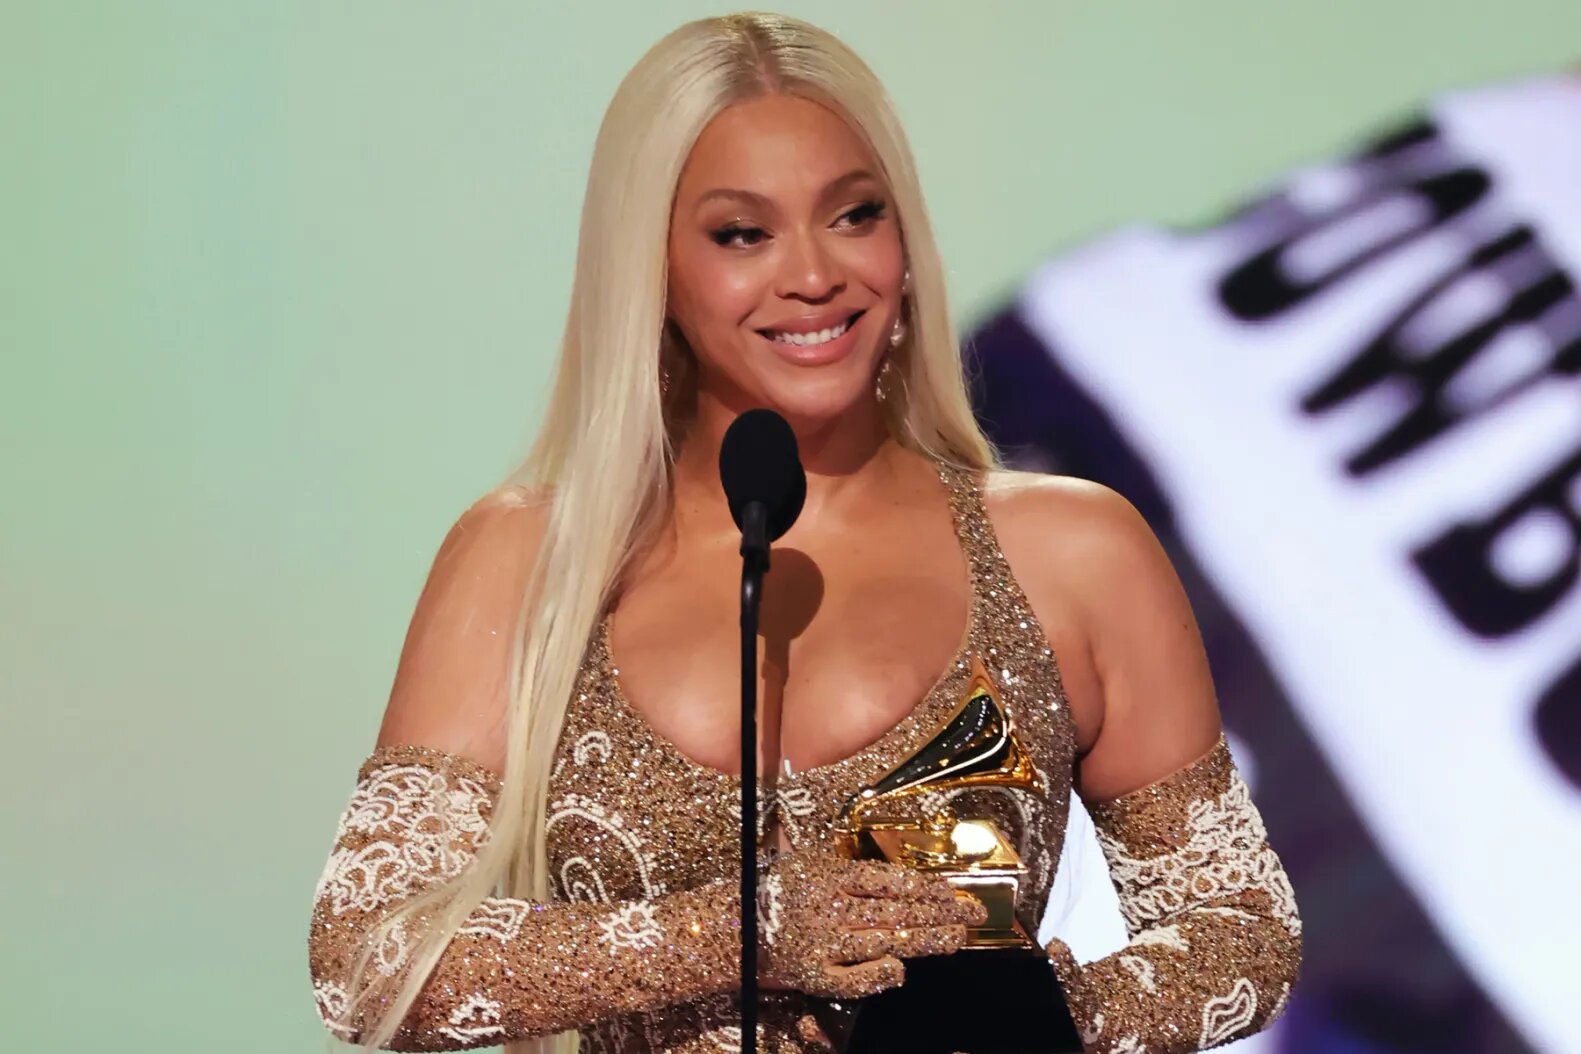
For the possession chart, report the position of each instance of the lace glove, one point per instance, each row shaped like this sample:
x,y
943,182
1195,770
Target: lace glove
x,y
1215,939
838,928
515,968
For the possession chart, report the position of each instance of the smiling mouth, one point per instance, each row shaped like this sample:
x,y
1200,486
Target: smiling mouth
x,y
812,340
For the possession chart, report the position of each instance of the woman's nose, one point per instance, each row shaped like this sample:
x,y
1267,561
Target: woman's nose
x,y
809,271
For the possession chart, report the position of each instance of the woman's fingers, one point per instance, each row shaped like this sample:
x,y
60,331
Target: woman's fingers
x,y
969,910
867,978
872,878
845,925
810,1031
895,913
876,878
857,946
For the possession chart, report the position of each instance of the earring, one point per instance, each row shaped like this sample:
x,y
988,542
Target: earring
x,y
881,382
669,345
897,333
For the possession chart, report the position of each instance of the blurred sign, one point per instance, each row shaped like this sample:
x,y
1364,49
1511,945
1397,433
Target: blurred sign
x,y
1353,410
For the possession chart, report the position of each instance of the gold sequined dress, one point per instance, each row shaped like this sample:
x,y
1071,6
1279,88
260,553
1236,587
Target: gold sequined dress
x,y
637,948
630,816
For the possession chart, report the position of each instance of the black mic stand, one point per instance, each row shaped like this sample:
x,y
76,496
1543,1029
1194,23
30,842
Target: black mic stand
x,y
754,562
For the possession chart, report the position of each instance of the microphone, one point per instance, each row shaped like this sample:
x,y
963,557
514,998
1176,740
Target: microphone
x,y
765,486
762,476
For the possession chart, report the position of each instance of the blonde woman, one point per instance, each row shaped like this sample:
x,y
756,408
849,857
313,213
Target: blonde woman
x,y
541,848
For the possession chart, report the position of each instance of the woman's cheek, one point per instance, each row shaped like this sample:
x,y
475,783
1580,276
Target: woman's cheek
x,y
739,290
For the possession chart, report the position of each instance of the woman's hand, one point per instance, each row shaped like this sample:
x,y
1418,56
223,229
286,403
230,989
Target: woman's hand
x,y
838,928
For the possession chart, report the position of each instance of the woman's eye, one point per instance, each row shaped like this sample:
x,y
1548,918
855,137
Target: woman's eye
x,y
727,236
864,213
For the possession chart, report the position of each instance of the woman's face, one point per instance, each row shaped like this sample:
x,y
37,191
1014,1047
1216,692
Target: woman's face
x,y
785,260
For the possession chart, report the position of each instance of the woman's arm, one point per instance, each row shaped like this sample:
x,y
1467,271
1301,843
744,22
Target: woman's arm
x,y
515,968
1215,938
421,811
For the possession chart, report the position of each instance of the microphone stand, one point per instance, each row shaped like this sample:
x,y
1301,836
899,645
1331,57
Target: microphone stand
x,y
754,562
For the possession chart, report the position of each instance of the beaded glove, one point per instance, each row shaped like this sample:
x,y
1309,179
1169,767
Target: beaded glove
x,y
1215,938
838,928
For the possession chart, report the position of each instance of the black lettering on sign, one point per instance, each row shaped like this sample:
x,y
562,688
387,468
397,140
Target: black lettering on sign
x,y
1400,141
1458,564
1264,286
1558,721
1537,286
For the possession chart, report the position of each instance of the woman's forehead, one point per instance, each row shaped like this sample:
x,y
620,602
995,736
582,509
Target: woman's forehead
x,y
774,146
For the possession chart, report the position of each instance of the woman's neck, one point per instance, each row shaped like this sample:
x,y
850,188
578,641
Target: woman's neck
x,y
850,461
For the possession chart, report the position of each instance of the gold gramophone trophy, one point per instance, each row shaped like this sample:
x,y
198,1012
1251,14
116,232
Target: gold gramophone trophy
x,y
998,994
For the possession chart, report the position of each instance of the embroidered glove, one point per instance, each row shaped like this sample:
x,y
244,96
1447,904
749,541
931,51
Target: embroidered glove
x,y
1215,938
515,968
838,928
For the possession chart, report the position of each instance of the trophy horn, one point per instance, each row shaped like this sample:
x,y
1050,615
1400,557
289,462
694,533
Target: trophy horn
x,y
976,746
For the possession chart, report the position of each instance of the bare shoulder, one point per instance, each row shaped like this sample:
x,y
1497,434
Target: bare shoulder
x,y
1043,493
1079,528
510,513
1139,680
451,688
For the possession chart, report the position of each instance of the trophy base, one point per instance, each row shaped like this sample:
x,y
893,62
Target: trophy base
x,y
992,879
977,1001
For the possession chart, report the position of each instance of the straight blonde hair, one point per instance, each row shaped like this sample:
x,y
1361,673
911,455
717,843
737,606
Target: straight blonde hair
x,y
603,457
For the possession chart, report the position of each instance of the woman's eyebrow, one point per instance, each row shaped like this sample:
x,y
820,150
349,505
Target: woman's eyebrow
x,y
737,195
833,187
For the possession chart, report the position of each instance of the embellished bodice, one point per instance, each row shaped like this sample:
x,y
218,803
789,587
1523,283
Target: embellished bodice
x,y
631,817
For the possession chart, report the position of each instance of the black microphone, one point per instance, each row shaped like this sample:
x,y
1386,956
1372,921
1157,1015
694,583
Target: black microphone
x,y
765,486
760,467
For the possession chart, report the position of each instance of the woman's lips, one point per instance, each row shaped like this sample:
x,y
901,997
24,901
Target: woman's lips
x,y
817,354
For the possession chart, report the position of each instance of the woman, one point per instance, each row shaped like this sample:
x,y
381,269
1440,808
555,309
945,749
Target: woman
x,y
543,840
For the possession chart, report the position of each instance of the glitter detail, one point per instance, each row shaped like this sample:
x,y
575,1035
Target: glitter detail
x,y
1223,1018
1166,937
1215,935
1141,969
680,822
633,926
405,823
638,947
769,920
818,912
515,969
332,1001
475,1020
1226,854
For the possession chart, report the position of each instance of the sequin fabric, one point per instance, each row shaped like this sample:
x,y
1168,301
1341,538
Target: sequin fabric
x,y
1215,938
815,910
637,948
631,817
515,968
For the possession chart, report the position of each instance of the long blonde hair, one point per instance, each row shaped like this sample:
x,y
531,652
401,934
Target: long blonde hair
x,y
603,455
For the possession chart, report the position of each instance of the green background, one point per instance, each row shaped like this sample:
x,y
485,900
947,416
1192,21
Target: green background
x,y
280,289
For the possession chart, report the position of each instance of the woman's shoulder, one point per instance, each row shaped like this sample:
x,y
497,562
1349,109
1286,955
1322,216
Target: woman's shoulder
x,y
515,496
1103,586
1069,533
450,684
1040,500
508,516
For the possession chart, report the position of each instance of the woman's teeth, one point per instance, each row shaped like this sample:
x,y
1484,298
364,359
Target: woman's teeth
x,y
807,340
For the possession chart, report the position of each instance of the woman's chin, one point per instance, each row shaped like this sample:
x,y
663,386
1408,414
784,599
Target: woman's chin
x,y
810,397
813,404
